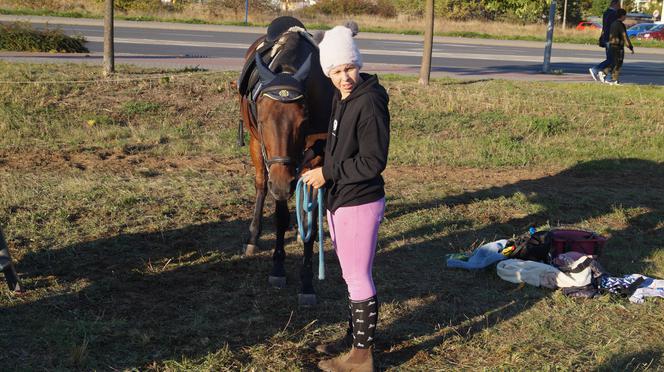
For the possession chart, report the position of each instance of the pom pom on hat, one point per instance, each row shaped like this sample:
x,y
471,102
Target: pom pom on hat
x,y
338,48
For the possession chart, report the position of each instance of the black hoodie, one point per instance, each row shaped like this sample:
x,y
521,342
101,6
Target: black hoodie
x,y
357,143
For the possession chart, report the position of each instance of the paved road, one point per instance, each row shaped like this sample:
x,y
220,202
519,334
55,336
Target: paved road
x,y
222,48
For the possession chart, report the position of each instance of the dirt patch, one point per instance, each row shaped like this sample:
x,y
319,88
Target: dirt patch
x,y
118,162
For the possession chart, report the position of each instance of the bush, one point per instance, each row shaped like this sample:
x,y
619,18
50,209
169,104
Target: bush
x,y
22,37
144,5
218,8
384,8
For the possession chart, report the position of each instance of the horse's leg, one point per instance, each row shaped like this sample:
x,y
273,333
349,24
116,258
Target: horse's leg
x,y
307,295
281,222
261,190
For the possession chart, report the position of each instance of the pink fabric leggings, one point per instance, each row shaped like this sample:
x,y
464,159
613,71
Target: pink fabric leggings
x,y
354,232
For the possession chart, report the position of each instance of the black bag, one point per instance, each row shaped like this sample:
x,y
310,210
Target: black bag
x,y
533,247
601,41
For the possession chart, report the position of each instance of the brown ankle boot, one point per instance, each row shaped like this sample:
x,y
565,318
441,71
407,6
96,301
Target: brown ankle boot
x,y
337,347
356,360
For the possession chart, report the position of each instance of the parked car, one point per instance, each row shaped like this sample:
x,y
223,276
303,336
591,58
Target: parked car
x,y
585,25
638,28
654,33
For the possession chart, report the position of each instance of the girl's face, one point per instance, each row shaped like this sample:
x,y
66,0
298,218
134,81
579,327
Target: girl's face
x,y
345,78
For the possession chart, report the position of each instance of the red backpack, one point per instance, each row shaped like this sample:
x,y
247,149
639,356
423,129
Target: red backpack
x,y
572,240
545,245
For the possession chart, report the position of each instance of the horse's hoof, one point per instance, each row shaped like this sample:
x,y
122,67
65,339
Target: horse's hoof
x,y
277,281
250,249
306,299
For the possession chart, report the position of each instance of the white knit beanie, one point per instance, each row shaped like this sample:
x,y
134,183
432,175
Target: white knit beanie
x,y
338,48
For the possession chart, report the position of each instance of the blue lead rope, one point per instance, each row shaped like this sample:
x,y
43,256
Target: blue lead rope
x,y
305,204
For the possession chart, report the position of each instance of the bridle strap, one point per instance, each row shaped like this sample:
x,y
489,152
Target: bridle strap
x,y
285,160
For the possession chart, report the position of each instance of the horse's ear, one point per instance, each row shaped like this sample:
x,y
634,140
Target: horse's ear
x,y
264,73
303,71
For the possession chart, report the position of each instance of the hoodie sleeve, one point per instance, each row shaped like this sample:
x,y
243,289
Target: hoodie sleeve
x,y
371,159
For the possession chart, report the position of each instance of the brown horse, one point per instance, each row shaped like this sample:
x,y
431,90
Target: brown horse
x,y
286,114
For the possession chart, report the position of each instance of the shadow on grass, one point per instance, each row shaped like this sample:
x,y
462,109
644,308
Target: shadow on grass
x,y
641,361
137,299
628,192
134,299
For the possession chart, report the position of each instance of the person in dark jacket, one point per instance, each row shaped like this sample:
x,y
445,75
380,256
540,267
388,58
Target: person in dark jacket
x,y
618,39
355,156
609,16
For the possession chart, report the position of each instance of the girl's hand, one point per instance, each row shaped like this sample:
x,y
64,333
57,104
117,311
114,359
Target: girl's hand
x,y
314,178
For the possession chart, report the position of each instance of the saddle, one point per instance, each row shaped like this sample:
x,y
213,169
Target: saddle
x,y
268,49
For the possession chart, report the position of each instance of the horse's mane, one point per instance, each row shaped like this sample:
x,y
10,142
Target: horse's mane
x,y
290,51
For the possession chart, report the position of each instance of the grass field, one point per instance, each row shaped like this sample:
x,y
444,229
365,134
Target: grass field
x,y
124,203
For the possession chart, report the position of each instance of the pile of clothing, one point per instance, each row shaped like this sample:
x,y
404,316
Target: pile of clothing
x,y
576,273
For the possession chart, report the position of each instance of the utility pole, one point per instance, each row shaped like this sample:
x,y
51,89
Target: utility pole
x,y
549,38
246,11
109,52
565,16
425,68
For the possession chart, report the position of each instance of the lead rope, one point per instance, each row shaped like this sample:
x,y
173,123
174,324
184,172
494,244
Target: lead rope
x,y
304,204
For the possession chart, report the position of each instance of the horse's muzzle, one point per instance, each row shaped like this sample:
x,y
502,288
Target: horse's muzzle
x,y
281,191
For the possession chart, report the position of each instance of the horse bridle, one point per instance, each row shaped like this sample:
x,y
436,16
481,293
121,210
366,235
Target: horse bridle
x,y
288,89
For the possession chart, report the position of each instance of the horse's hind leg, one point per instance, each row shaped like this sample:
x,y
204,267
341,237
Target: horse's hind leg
x,y
261,190
281,222
307,295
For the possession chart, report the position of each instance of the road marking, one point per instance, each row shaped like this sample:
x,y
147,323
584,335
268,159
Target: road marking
x,y
194,35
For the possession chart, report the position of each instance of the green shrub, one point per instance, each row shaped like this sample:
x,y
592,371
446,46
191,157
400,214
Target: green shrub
x,y
218,8
22,37
383,8
143,5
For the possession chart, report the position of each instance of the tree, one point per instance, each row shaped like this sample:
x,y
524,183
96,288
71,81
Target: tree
x,y
598,7
109,50
574,14
425,68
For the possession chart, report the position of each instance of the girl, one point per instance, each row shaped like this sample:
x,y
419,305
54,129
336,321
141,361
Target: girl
x,y
355,157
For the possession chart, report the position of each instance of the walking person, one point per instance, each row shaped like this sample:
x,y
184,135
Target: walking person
x,y
355,156
617,40
609,16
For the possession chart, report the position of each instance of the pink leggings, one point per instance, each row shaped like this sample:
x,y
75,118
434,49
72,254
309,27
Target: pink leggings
x,y
354,232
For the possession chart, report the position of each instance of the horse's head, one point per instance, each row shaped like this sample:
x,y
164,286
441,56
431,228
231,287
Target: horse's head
x,y
281,115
